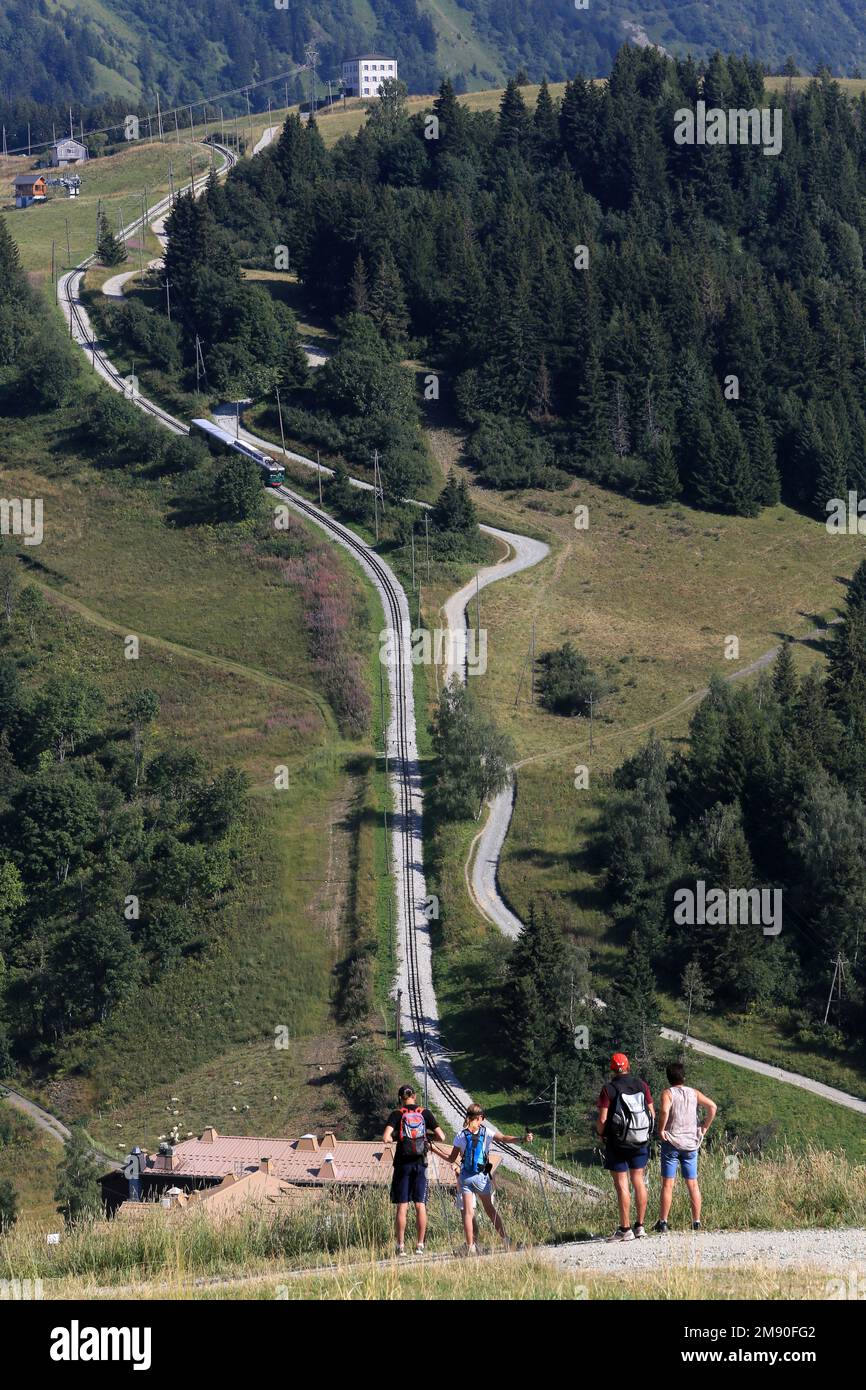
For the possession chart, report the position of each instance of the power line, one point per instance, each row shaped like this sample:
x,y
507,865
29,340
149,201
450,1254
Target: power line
x,y
203,102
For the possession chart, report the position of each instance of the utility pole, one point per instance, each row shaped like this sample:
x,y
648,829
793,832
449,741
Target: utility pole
x,y
28,139
319,469
413,555
387,843
53,275
158,117
222,126
838,974
399,1011
311,57
376,490
140,238
168,298
555,1097
427,542
382,705
477,606
149,127
532,666
191,132
68,252
237,419
590,722
170,184
249,118
280,413
176,128
199,360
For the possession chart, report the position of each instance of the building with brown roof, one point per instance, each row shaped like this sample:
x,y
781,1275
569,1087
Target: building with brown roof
x,y
308,1162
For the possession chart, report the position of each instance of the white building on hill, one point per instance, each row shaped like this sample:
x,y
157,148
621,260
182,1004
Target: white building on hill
x,y
67,151
363,76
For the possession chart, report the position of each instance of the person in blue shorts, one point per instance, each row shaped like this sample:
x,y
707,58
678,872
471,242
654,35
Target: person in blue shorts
x,y
470,1158
410,1129
625,1120
681,1134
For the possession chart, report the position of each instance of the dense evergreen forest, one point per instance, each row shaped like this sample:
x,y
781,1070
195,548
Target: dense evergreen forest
x,y
709,343
771,791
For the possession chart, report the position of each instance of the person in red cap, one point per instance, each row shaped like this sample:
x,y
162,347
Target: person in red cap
x,y
626,1116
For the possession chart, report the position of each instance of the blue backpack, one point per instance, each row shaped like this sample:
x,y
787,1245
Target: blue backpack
x,y
474,1155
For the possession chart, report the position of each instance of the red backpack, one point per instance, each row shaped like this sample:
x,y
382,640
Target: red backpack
x,y
413,1133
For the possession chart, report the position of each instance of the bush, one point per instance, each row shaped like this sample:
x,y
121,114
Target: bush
x,y
508,455
567,682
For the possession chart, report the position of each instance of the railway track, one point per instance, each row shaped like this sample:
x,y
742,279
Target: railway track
x,y
422,1035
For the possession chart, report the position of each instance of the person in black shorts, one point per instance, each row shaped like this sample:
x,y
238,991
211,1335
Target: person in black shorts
x,y
410,1129
625,1165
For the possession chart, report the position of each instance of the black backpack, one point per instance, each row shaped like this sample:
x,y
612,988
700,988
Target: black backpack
x,y
629,1122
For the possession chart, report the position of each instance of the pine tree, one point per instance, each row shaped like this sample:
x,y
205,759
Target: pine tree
x,y
831,480
454,510
359,294
108,248
535,1000
662,481
762,457
544,119
513,118
388,301
785,682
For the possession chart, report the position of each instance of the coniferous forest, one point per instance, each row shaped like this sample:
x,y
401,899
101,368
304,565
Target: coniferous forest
x,y
708,342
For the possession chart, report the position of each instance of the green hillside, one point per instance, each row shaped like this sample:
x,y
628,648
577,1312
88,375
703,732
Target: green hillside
x,y
96,51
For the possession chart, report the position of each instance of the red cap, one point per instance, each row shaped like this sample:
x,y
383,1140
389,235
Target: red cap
x,y
619,1062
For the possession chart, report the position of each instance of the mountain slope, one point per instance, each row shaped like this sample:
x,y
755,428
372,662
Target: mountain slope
x,y
78,50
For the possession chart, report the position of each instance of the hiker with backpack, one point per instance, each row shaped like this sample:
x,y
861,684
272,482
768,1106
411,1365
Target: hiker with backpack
x,y
625,1121
681,1134
470,1158
410,1129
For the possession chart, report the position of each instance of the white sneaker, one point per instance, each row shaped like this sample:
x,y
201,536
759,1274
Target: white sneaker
x,y
620,1234
400,1250
419,1248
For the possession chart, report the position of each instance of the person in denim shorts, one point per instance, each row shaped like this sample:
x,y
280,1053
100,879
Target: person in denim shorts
x,y
682,1135
470,1158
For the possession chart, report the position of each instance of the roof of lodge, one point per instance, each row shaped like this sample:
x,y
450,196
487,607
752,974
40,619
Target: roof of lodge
x,y
29,178
365,57
307,1160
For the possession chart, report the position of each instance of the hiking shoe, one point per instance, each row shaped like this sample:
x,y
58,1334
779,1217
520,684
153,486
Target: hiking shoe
x,y
419,1248
661,1227
621,1233
639,1231
696,1226
400,1250
469,1250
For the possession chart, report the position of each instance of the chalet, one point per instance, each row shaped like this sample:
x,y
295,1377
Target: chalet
x,y
305,1163
363,76
67,151
29,188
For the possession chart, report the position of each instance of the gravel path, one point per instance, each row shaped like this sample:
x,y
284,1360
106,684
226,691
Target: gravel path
x,y
791,1078
835,1251
113,288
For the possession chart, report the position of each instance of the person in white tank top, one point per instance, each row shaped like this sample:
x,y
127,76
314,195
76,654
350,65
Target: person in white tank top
x,y
681,1133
